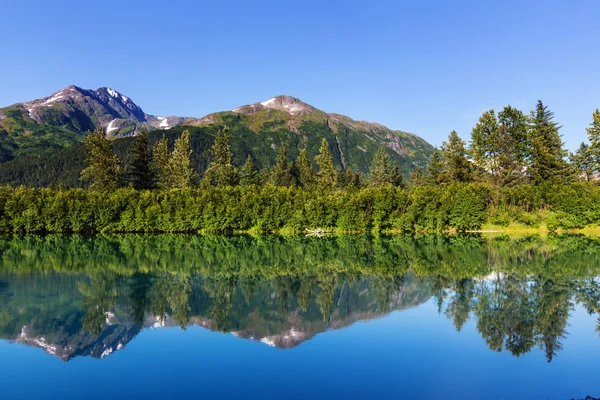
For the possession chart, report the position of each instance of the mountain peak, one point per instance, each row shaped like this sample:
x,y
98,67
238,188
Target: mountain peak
x,y
113,93
287,103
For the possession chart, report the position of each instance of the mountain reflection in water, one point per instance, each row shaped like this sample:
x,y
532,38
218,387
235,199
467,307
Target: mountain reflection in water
x,y
89,296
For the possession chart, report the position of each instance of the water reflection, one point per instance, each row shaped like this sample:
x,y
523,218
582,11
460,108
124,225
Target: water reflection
x,y
78,296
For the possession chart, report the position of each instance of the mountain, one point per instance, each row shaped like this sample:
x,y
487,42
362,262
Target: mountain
x,y
59,123
65,117
59,328
286,120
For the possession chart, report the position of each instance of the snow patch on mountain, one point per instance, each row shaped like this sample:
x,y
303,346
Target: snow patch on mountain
x,y
110,127
56,96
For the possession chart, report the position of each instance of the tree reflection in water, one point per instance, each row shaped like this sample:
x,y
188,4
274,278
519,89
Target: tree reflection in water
x,y
99,292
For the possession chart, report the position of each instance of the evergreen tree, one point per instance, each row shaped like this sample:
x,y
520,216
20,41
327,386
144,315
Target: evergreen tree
x,y
249,174
547,153
281,174
416,177
499,145
380,173
397,178
181,173
326,175
436,174
304,170
160,161
455,154
142,176
221,171
593,133
582,163
349,179
104,169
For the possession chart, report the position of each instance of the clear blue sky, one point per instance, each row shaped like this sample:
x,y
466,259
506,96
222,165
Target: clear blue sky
x,y
422,66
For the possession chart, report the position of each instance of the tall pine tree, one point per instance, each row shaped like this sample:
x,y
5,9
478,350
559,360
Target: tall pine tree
x,y
326,175
304,170
436,173
593,132
582,163
221,171
380,173
455,154
281,174
104,169
547,153
397,177
160,162
181,173
249,174
142,176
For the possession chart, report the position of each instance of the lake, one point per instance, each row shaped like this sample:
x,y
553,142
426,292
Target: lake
x,y
294,317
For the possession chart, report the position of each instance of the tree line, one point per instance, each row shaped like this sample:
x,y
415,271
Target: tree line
x,y
159,168
506,149
514,171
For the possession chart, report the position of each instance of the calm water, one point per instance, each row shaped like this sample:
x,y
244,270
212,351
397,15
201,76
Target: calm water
x,y
187,317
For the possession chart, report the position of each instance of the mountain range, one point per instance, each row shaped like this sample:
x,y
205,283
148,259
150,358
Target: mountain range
x,y
54,126
59,327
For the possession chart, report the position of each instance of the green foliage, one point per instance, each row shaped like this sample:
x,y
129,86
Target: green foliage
x,y
103,170
281,174
160,162
221,171
455,153
249,175
326,175
381,173
499,145
141,175
583,163
593,132
180,170
305,175
436,172
547,161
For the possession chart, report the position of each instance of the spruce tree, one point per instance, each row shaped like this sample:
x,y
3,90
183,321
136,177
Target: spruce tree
x,y
416,177
181,173
249,174
593,133
582,163
455,155
281,174
142,176
380,173
326,175
160,163
436,173
547,153
304,170
397,177
104,169
221,171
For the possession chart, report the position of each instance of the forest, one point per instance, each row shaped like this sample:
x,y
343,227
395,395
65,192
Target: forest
x,y
514,172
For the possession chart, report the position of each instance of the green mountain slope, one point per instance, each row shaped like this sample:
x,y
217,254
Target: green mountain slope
x,y
65,117
257,130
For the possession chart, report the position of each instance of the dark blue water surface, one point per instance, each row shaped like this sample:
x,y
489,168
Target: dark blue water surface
x,y
342,317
